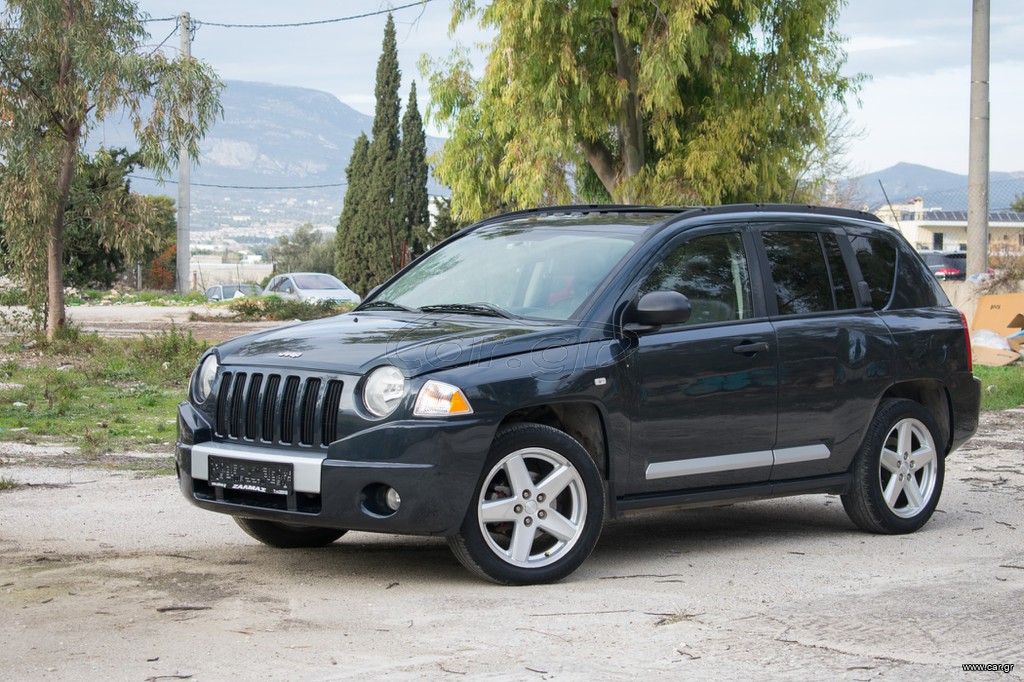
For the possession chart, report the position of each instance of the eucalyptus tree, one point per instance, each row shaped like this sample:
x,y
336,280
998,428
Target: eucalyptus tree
x,y
659,101
65,65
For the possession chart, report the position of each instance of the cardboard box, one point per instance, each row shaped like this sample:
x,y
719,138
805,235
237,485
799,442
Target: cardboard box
x,y
993,357
1004,315
1017,340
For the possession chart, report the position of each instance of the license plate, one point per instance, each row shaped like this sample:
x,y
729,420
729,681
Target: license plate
x,y
259,477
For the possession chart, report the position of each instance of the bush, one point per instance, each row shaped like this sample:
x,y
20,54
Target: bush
x,y
1009,274
275,308
13,297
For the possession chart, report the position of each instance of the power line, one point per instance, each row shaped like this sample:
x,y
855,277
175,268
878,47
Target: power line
x,y
339,19
173,31
256,187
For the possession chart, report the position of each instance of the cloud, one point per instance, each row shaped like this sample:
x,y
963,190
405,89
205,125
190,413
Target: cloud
x,y
922,37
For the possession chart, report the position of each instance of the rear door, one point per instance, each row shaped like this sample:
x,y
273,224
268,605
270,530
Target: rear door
x,y
835,353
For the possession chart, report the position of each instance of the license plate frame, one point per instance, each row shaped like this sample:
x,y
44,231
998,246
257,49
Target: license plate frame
x,y
272,478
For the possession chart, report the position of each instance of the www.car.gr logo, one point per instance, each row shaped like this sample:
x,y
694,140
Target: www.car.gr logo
x,y
289,354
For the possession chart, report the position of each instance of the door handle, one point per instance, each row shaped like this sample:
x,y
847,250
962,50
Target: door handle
x,y
749,348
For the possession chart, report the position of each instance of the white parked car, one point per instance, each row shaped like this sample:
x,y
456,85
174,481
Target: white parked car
x,y
224,292
311,287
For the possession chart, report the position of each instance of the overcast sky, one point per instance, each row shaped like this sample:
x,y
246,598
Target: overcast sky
x,y
914,108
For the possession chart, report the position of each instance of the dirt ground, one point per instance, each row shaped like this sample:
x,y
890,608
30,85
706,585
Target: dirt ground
x,y
132,320
106,574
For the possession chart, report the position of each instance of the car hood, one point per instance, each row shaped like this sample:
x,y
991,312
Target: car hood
x,y
354,343
328,295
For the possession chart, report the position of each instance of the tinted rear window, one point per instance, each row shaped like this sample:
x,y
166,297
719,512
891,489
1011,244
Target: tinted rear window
x,y
877,260
898,278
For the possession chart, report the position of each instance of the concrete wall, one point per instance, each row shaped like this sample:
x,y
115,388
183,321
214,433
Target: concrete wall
x,y
207,274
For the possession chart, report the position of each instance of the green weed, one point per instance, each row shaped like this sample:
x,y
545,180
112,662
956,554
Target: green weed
x,y
1001,387
102,395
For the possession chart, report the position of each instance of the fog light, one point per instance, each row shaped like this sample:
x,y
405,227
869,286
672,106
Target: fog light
x,y
392,499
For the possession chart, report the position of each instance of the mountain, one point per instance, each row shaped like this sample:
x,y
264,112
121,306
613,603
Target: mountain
x,y
939,189
271,136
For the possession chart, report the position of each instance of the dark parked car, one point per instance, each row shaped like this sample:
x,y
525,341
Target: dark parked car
x,y
946,264
544,370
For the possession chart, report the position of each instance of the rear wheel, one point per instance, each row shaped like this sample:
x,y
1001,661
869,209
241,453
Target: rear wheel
x,y
288,535
537,511
899,470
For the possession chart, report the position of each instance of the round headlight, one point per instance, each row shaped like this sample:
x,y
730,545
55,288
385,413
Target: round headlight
x,y
204,378
383,390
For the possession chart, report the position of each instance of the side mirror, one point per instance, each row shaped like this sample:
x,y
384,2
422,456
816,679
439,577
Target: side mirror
x,y
658,308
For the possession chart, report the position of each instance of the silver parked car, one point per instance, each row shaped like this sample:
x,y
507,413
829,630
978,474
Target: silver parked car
x,y
310,287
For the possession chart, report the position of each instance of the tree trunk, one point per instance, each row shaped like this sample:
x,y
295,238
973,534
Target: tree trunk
x,y
55,243
601,160
631,134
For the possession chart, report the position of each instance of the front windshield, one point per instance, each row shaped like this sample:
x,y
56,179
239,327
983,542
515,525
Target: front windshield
x,y
318,282
544,271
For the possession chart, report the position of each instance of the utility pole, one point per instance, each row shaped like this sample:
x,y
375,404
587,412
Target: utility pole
x,y
977,169
184,188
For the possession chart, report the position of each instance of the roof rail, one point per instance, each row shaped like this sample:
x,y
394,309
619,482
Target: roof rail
x,y
790,208
585,208
696,210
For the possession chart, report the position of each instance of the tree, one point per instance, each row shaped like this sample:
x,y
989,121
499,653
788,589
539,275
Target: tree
x,y
1018,203
385,213
664,102
445,224
411,186
64,66
106,225
354,225
383,239
160,257
306,250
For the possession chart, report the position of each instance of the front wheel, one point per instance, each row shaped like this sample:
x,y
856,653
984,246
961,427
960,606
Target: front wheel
x,y
898,472
537,510
288,535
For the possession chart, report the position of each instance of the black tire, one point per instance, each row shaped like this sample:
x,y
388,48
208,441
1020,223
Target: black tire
x,y
899,470
546,508
286,535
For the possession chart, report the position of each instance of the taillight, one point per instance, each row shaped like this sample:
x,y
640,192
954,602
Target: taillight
x,y
967,339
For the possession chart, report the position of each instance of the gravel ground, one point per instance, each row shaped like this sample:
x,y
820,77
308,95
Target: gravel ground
x,y
105,574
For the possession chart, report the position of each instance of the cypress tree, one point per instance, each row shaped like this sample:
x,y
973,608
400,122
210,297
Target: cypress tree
x,y
411,191
383,240
353,226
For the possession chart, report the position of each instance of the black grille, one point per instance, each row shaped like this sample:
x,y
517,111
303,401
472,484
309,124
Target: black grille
x,y
278,409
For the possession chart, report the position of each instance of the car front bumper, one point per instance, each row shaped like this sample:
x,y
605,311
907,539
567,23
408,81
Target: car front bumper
x,y
433,465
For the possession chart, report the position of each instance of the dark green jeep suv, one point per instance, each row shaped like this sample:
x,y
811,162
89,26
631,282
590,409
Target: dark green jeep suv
x,y
542,371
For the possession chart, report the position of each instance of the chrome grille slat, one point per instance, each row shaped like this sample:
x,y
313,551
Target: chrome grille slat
x,y
277,409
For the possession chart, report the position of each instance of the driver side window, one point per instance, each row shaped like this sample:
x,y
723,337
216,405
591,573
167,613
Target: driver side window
x,y
711,271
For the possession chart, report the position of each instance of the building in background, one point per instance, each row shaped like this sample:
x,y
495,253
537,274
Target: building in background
x,y
935,229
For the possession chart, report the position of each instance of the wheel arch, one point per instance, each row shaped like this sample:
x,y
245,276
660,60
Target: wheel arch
x,y
581,420
934,397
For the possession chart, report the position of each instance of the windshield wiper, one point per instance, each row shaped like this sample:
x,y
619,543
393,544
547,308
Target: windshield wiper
x,y
488,309
389,305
